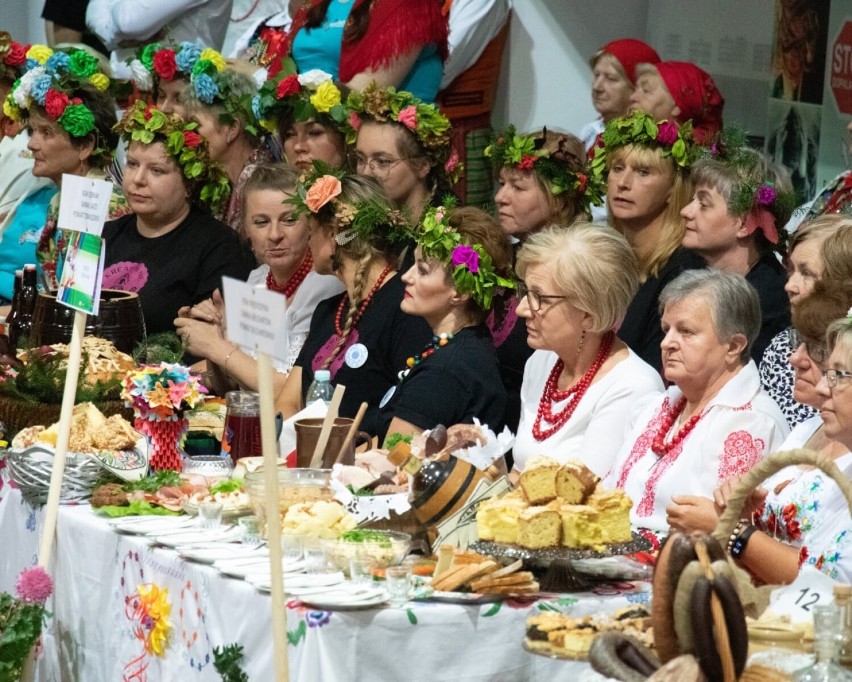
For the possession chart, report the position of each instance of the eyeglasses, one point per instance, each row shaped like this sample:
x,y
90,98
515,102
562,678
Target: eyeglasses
x,y
534,298
816,351
379,167
832,376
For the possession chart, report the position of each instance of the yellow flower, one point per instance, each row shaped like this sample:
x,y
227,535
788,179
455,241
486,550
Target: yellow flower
x,y
40,53
268,125
11,111
215,57
326,96
156,607
100,81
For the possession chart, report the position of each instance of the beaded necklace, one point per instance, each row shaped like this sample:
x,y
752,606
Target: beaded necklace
x,y
551,393
344,302
659,445
289,287
437,342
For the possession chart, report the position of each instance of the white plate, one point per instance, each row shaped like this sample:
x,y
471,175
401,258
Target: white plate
x,y
348,599
195,536
213,552
298,583
142,525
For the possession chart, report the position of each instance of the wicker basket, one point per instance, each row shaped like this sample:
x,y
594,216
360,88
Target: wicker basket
x,y
17,415
756,600
30,469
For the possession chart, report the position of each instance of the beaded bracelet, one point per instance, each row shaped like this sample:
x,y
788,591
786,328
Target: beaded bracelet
x,y
740,543
742,524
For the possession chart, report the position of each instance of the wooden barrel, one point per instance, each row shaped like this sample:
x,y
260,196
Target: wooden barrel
x,y
119,320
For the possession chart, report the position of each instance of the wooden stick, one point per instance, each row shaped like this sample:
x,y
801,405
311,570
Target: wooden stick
x,y
51,512
350,436
273,517
328,422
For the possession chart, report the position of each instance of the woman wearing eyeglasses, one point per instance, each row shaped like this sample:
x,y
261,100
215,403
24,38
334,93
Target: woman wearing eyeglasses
x,y
799,516
403,143
581,382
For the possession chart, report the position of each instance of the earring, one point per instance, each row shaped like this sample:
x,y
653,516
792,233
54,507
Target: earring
x,y
582,341
229,138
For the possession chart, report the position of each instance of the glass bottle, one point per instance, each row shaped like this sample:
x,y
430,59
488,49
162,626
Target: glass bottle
x,y
826,646
16,304
22,326
320,388
843,599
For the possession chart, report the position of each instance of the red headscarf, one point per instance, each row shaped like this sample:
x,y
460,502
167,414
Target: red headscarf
x,y
697,96
629,52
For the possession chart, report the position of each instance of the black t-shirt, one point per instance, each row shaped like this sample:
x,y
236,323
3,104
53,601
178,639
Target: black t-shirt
x,y
768,278
641,329
180,268
509,333
458,382
385,334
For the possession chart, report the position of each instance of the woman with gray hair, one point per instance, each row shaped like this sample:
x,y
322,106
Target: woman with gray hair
x,y
581,382
714,421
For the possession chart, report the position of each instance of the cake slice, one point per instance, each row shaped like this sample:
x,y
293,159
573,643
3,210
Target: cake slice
x,y
538,480
614,509
539,527
497,518
575,482
580,526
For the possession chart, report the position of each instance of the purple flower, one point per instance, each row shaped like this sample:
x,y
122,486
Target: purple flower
x,y
316,619
667,133
465,255
765,195
34,585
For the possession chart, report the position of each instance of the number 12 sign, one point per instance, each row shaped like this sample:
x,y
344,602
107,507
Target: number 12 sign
x,y
797,600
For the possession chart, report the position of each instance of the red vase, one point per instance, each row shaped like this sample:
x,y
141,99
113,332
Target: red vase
x,y
166,436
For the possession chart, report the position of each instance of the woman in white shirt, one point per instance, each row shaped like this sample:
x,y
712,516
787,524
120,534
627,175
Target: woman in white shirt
x,y
581,383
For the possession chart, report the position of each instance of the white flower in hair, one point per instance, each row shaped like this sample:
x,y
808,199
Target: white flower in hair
x,y
141,75
314,78
22,93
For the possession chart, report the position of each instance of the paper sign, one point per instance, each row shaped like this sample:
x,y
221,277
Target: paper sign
x,y
82,272
83,204
255,318
459,530
798,599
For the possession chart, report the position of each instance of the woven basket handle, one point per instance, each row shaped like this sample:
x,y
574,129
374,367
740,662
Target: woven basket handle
x,y
763,470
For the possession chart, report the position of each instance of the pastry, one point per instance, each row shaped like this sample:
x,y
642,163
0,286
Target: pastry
x,y
539,527
575,482
538,480
613,507
497,518
580,526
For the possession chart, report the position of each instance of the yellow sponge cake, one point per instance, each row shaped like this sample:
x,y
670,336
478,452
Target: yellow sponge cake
x,y
575,482
538,480
580,526
539,527
497,518
613,507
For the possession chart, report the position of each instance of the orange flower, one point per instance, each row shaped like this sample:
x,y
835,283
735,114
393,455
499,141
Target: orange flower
x,y
322,191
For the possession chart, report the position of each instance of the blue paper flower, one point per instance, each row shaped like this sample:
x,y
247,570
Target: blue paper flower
x,y
255,107
31,64
205,88
40,87
187,55
57,63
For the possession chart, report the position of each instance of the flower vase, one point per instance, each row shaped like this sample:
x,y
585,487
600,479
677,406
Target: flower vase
x,y
166,436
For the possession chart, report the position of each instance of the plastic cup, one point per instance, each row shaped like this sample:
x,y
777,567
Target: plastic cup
x,y
361,570
250,531
398,581
210,514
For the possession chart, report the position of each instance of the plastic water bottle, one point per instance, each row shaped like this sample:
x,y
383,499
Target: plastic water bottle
x,y
320,388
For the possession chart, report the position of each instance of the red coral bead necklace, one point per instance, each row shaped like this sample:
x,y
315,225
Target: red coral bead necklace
x,y
344,302
292,284
659,445
576,392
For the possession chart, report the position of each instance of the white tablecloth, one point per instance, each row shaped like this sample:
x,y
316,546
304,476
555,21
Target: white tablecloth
x,y
96,634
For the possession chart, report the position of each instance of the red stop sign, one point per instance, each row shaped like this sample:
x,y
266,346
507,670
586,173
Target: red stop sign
x,y
841,69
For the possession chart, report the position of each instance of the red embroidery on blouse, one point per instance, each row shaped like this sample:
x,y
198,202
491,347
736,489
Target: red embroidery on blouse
x,y
743,408
741,452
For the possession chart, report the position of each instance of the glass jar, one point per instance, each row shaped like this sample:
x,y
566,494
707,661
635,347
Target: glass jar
x,y
241,436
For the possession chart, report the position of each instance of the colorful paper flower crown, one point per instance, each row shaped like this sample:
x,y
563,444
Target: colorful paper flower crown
x,y
429,126
472,268
526,152
13,56
306,96
640,129
50,81
148,125
317,194
161,390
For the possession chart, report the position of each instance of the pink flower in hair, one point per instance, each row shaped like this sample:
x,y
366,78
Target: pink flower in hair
x,y
354,121
408,117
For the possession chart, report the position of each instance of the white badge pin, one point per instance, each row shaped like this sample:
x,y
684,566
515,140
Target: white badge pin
x,y
356,355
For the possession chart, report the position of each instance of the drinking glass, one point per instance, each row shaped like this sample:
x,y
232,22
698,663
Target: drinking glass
x,y
210,514
291,548
398,580
361,570
315,559
250,531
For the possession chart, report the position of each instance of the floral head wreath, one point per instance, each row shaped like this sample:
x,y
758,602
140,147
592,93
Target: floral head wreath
x,y
318,192
50,82
304,96
429,126
473,270
525,152
673,140
764,206
13,56
148,125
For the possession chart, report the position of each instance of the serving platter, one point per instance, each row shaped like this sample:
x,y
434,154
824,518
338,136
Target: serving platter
x,y
543,557
466,598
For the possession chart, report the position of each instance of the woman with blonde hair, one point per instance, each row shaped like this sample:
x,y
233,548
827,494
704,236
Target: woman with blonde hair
x,y
581,383
646,164
361,336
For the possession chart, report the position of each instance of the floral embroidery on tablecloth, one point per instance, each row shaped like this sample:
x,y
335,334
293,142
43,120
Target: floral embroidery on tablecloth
x,y
741,452
308,618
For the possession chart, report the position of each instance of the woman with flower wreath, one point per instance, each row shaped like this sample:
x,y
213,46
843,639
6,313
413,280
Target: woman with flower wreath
x,y
219,100
361,336
798,516
170,250
582,384
742,201
404,143
646,166
714,421
462,259
543,180
307,113
70,117
279,240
